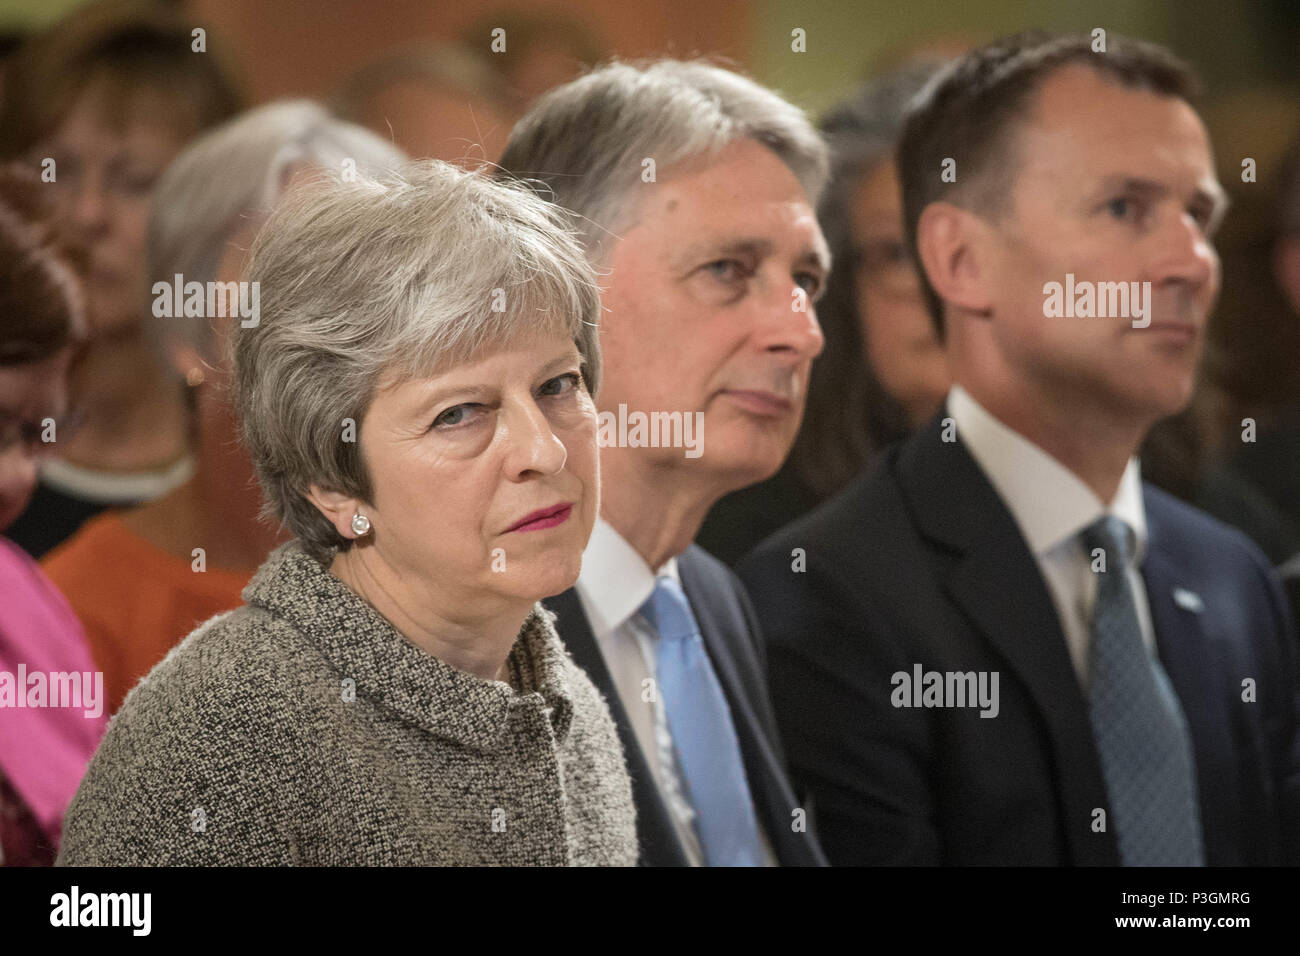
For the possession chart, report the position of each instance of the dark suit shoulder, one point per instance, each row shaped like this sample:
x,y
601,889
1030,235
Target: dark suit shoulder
x,y
865,517
1205,549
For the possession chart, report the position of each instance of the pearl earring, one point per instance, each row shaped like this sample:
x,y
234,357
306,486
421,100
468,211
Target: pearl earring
x,y
360,524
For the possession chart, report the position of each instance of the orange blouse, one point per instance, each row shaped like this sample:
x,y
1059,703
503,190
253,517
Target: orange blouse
x,y
135,601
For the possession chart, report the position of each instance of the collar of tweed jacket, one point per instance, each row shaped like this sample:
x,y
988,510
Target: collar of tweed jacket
x,y
361,644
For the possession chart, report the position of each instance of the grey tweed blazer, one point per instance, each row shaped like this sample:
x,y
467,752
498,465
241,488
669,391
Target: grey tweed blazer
x,y
304,729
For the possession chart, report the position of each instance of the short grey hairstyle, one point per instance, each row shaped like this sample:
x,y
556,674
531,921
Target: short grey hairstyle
x,y
368,283
237,170
583,143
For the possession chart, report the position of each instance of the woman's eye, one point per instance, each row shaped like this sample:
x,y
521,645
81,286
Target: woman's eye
x,y
456,415
562,384
137,183
20,432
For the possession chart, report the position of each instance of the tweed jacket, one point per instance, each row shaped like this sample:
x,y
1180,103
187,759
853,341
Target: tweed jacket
x,y
304,729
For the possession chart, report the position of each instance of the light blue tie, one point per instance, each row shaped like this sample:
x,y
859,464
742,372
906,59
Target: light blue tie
x,y
1137,723
703,733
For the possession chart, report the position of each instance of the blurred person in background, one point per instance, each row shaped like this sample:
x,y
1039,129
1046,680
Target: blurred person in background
x,y
392,693
883,372
207,208
1272,462
108,96
433,101
11,42
44,747
541,50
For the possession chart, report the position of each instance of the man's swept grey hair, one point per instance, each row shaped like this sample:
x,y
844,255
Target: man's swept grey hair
x,y
369,283
584,143
236,171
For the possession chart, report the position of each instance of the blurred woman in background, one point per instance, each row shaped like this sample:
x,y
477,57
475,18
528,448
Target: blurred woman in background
x,y
185,556
44,748
99,104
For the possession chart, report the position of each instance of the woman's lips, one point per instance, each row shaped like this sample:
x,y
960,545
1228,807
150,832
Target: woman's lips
x,y
545,518
760,403
1180,330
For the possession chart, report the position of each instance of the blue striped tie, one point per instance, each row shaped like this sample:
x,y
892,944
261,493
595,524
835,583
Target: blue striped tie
x,y
703,733
1137,723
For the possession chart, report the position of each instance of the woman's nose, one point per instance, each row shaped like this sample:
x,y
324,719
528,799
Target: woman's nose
x,y
534,446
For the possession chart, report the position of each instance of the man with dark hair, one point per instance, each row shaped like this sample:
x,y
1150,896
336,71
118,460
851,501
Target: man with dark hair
x,y
999,646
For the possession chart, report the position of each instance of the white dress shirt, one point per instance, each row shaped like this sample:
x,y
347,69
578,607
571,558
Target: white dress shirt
x,y
1051,505
615,582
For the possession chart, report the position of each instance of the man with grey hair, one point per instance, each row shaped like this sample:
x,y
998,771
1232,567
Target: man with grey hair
x,y
694,191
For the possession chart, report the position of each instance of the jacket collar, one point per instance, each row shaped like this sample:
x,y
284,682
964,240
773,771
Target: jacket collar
x,y
993,578
361,645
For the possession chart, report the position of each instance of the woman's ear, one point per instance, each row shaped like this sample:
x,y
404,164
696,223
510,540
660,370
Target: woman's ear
x,y
337,507
947,241
185,360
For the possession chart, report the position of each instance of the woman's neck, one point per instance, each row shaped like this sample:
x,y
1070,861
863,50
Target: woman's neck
x,y
136,418
216,510
478,643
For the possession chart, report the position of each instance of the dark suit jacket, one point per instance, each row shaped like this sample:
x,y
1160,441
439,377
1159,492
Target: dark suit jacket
x,y
731,636
920,562
1291,582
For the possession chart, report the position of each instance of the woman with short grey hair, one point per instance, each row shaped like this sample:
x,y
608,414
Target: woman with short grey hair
x,y
187,555
416,399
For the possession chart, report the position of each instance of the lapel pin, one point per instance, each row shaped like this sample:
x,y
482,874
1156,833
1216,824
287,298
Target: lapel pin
x,y
1188,600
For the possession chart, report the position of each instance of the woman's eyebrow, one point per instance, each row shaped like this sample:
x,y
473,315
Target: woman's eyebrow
x,y
568,358
430,396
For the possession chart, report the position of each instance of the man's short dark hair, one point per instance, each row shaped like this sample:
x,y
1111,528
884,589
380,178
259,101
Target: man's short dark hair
x,y
969,111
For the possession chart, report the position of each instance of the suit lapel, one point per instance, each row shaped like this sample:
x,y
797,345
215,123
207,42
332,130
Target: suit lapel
x,y
997,584
722,629
656,835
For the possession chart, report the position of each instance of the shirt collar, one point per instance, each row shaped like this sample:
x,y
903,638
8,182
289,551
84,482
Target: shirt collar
x,y
1049,502
615,580
359,643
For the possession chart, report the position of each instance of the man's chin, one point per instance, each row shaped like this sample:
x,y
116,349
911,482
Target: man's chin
x,y
1163,400
744,471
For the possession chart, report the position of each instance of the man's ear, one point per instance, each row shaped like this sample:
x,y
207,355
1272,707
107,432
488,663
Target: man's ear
x,y
947,243
1286,269
337,507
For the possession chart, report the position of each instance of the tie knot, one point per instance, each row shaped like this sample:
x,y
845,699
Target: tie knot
x,y
1110,534
668,610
